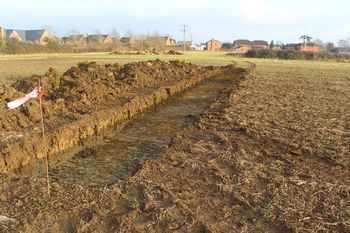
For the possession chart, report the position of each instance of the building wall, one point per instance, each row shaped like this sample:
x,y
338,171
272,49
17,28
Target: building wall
x,y
15,36
170,41
214,45
257,47
167,41
108,40
313,48
243,48
44,37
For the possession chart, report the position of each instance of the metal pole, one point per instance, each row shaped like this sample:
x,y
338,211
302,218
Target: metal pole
x,y
184,34
44,140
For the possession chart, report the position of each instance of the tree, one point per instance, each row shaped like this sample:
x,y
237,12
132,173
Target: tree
x,y
50,29
73,32
73,37
128,33
272,45
53,44
227,45
1,44
329,47
155,40
115,34
97,32
305,39
343,43
98,36
318,42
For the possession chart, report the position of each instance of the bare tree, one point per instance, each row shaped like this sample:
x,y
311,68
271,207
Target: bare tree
x,y
97,31
73,38
343,43
139,42
156,41
318,42
50,29
115,34
73,32
97,36
329,46
128,33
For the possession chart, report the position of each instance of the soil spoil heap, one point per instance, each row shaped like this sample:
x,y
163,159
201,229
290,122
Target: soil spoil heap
x,y
84,101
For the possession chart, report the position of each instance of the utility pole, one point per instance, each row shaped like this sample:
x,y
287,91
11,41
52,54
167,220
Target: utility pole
x,y
184,32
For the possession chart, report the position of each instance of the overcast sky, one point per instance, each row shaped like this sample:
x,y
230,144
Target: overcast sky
x,y
226,20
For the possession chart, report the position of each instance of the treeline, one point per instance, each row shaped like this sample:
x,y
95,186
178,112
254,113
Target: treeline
x,y
12,46
295,55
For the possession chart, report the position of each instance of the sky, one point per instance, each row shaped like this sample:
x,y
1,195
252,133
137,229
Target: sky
x,y
224,20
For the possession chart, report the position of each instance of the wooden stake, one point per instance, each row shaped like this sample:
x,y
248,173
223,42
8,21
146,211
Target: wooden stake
x,y
44,140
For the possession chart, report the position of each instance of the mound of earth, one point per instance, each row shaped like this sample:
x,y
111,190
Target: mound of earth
x,y
85,100
148,52
149,201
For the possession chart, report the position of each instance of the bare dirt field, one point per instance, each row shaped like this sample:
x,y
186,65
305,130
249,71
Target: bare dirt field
x,y
269,153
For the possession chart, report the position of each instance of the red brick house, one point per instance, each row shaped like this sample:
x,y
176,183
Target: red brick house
x,y
213,45
291,47
309,47
259,44
242,46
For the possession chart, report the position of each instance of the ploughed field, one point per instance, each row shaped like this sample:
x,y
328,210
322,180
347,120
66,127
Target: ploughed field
x,y
263,149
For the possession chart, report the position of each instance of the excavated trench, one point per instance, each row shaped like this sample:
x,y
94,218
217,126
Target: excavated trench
x,y
117,155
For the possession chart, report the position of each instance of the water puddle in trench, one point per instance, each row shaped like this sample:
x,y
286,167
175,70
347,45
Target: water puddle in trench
x,y
117,156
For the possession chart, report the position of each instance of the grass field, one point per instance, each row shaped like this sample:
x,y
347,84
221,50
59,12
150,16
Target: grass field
x,y
15,67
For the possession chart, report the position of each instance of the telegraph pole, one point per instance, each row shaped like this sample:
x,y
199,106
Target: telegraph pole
x,y
184,33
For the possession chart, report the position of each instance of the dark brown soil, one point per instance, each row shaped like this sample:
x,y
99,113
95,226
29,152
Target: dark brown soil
x,y
84,101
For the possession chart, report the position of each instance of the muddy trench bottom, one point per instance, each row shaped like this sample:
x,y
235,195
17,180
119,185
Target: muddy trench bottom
x,y
117,156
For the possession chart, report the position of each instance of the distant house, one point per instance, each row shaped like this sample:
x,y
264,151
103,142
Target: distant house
x,y
104,39
260,44
245,45
242,45
187,42
127,39
28,36
310,47
198,47
276,47
343,50
79,39
213,45
164,40
291,47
